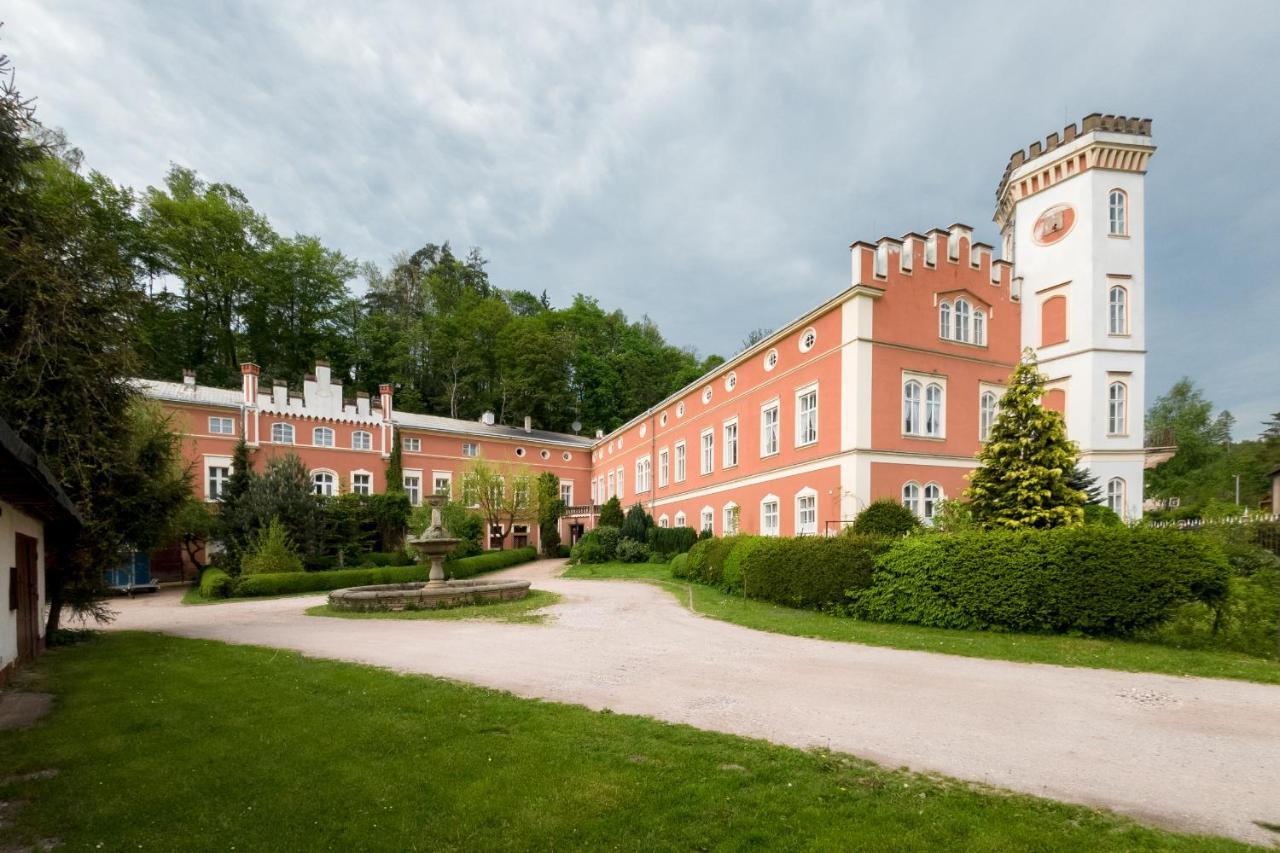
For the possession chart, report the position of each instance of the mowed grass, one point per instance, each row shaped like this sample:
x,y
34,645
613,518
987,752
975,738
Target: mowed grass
x,y
1126,655
519,611
161,743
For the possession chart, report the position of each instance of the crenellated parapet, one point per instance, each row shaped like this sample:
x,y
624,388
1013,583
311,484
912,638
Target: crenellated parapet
x,y
1097,142
914,253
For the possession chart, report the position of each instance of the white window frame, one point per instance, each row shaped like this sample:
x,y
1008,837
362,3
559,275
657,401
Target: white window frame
x,y
730,449
323,436
961,319
664,521
411,443
284,430
566,492
326,488
911,497
918,408
447,477
803,440
682,461
367,487
707,452
707,519
731,518
621,480
681,519
770,521
612,486
771,428
217,422
935,411
644,471
361,439
1118,312
944,320
930,497
1117,226
411,481
212,463
979,327
664,468
1117,497
987,415
806,495
1117,408
470,449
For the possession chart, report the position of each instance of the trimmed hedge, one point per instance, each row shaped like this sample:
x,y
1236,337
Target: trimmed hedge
x,y
1095,580
599,545
215,583
489,561
808,571
732,570
706,559
680,566
672,540
885,517
386,558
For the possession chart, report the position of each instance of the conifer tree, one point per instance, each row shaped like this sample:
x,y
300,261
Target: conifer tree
x,y
1024,479
395,467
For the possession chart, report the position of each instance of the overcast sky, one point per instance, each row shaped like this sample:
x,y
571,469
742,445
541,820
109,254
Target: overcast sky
x,y
706,165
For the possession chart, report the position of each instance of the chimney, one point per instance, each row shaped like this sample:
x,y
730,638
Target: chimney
x,y
528,424
386,391
249,377
322,375
487,419
362,402
189,378
599,433
279,393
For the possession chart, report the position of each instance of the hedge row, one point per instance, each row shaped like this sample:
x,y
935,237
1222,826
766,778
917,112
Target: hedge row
x,y
216,583
1096,580
1101,581
671,540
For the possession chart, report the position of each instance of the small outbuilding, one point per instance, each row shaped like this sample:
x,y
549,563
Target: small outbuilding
x,y
36,516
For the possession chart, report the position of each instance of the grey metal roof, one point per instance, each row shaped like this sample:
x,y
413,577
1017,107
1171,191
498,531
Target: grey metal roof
x,y
180,392
478,428
27,483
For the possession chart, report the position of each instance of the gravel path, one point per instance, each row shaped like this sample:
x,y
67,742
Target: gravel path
x,y
1195,754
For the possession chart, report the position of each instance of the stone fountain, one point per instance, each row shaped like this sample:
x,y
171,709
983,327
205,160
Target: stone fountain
x,y
432,544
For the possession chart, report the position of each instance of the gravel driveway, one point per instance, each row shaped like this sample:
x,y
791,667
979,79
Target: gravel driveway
x,y
1195,754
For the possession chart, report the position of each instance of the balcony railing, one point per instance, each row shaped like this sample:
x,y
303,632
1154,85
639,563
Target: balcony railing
x,y
581,510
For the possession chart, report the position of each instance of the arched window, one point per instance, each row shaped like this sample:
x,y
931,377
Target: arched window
x,y
962,320
322,437
911,408
980,328
1118,303
663,521
911,497
944,320
933,410
769,516
681,521
323,483
361,440
730,518
932,497
806,512
1115,496
282,433
987,406
1116,422
1117,217
708,519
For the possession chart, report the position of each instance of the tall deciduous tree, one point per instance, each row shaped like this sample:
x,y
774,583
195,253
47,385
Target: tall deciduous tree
x,y
1024,476
504,494
550,509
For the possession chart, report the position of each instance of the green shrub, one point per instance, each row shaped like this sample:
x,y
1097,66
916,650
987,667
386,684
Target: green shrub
x,y
599,545
215,583
489,561
810,571
386,558
1247,621
272,552
1098,515
672,540
658,559
631,551
611,513
319,562
732,571
680,566
636,525
291,582
1103,581
563,551
885,517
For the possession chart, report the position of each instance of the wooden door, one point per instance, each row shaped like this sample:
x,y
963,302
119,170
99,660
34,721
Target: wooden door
x,y
26,595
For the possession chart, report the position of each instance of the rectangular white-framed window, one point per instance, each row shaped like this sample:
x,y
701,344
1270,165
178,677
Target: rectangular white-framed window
x,y
806,513
413,487
442,483
324,483
681,465
924,409
361,483
411,443
222,426
664,467
644,468
595,492
470,448
807,416
217,476
769,518
281,433
730,449
361,440
322,437
708,451
731,516
1117,408
566,493
613,485
621,481
769,425
708,519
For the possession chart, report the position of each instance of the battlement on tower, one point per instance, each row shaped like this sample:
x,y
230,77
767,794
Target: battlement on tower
x,y
1090,123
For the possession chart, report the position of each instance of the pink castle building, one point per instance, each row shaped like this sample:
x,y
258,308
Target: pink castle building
x,y
887,389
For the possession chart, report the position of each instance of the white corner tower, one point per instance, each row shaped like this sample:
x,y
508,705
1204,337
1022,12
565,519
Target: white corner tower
x,y
1071,215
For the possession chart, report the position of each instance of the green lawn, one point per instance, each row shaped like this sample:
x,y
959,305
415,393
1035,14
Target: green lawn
x,y
159,743
501,611
1124,655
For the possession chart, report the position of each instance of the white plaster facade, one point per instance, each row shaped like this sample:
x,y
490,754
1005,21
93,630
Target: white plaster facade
x,y
14,521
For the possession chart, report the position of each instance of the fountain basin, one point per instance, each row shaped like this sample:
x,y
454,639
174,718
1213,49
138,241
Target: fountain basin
x,y
417,596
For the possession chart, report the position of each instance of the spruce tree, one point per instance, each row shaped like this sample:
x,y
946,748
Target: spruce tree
x,y
395,467
1024,479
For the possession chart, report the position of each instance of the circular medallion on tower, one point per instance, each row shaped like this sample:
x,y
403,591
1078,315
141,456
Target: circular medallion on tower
x,y
1054,224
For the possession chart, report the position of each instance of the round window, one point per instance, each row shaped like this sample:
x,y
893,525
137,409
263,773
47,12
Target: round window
x,y
545,454
566,456
706,394
771,359
519,451
808,338
731,381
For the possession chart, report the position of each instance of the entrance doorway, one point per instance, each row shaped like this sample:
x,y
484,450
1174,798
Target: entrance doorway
x,y
24,596
575,533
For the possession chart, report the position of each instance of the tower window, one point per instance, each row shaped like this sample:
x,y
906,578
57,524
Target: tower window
x,y
1116,213
962,320
979,328
944,320
1117,422
1118,306
1115,496
987,407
